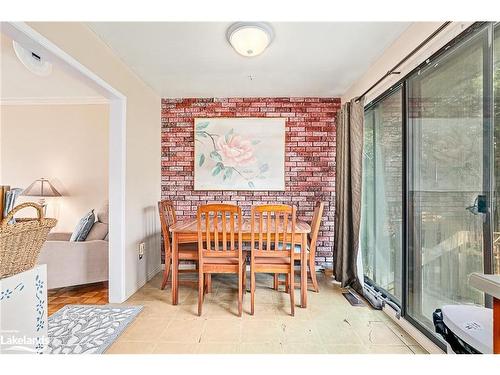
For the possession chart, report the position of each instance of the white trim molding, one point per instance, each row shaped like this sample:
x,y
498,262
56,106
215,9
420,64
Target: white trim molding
x,y
24,34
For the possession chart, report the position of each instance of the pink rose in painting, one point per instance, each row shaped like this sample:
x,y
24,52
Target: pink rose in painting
x,y
236,152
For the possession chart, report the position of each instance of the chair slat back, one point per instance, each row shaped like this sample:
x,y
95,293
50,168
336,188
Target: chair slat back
x,y
167,219
316,223
219,230
273,230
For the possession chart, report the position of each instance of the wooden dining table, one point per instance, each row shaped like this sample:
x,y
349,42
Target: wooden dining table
x,y
186,231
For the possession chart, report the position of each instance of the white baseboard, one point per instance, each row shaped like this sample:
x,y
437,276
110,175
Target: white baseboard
x,y
149,276
418,336
154,272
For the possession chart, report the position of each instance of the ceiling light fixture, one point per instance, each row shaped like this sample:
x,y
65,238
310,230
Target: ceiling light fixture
x,y
250,38
32,61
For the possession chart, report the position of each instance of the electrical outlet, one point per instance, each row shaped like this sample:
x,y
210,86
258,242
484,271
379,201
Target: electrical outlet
x,y
142,247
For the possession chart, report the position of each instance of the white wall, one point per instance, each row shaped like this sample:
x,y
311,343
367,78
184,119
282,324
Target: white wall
x,y
143,137
68,144
408,40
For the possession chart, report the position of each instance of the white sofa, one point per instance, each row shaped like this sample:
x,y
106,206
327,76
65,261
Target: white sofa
x,y
75,263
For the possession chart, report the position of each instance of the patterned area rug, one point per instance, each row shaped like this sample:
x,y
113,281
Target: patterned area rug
x,y
88,329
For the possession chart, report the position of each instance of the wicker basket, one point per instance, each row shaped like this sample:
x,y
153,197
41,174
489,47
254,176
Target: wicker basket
x,y
21,242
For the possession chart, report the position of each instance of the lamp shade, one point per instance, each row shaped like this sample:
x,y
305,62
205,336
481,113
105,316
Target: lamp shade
x,y
41,188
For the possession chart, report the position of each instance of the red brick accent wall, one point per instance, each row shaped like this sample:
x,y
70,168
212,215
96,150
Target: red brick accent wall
x,y
309,160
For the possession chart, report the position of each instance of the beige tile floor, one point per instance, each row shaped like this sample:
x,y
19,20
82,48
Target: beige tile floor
x,y
328,325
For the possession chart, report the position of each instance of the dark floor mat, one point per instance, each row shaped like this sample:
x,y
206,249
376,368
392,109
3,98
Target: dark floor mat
x,y
353,299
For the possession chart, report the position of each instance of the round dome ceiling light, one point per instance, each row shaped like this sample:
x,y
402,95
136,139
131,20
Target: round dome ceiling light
x,y
250,38
32,61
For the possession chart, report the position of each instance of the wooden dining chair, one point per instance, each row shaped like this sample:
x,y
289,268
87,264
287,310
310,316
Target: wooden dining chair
x,y
272,241
220,247
187,251
311,248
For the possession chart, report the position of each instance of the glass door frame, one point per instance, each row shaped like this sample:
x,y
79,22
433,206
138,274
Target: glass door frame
x,y
391,91
489,150
488,160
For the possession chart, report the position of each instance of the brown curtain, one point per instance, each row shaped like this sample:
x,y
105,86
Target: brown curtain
x,y
348,193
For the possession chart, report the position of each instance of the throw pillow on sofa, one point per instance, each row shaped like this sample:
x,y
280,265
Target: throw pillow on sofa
x,y
100,228
98,232
103,213
83,227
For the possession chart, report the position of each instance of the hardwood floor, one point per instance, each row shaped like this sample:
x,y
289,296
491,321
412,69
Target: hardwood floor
x,y
89,294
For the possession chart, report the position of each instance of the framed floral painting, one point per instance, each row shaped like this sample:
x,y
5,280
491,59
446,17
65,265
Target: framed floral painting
x,y
239,154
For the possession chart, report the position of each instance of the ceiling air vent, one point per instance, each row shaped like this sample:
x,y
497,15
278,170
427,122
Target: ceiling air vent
x,y
32,61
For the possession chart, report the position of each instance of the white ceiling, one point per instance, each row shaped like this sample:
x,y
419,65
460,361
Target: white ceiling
x,y
20,86
193,59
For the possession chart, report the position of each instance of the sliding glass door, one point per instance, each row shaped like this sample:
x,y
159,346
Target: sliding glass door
x,y
496,111
449,170
381,221
431,179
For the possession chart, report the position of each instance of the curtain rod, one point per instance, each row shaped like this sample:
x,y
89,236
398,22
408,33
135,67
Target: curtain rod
x,y
401,62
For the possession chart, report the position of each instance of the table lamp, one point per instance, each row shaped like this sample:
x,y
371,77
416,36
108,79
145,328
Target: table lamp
x,y
41,188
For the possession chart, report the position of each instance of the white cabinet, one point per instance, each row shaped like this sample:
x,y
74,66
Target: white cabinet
x,y
23,312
